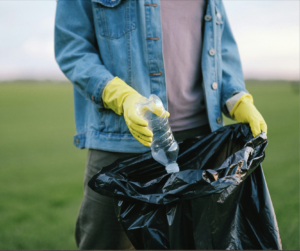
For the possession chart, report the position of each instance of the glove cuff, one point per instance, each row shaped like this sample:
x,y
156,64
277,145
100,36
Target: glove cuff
x,y
115,93
246,98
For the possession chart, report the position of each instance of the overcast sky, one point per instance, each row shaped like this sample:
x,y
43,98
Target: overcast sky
x,y
267,33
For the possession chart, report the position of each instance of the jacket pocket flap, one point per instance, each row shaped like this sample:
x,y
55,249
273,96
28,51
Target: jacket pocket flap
x,y
108,3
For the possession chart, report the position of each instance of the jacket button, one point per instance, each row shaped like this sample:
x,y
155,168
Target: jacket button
x,y
77,141
212,52
155,74
219,120
150,4
152,38
207,18
214,85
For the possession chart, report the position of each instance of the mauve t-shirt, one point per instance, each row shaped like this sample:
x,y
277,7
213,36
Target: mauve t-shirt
x,y
182,22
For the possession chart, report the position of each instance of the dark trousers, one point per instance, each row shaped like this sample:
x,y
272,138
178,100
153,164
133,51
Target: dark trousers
x,y
97,226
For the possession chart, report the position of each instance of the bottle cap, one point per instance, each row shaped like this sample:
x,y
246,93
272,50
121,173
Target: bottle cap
x,y
172,168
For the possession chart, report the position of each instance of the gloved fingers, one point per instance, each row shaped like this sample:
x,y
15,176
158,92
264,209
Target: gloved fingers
x,y
140,129
135,119
146,141
255,127
158,111
155,109
263,126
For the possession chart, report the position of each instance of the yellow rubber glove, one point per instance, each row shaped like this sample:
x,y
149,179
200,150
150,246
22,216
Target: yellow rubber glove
x,y
121,98
245,112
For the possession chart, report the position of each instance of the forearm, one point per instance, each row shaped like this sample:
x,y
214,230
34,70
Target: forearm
x,y
76,49
232,73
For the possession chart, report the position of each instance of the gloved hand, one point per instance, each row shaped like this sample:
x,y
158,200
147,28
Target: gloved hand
x,y
121,98
245,112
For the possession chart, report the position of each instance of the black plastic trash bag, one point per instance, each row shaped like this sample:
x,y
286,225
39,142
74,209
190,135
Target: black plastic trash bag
x,y
219,199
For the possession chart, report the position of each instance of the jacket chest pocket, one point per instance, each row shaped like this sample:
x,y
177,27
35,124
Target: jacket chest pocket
x,y
115,18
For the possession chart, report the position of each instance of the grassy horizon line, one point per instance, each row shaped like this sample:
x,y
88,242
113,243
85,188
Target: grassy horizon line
x,y
53,81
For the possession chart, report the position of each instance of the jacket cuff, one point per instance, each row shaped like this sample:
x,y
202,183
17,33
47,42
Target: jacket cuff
x,y
232,101
96,85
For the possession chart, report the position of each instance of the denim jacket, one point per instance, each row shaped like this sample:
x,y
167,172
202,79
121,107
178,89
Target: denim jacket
x,y
96,40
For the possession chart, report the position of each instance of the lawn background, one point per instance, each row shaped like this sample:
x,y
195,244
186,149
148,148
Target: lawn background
x,y
41,171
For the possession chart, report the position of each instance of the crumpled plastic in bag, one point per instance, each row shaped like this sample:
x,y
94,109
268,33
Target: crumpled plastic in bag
x,y
218,200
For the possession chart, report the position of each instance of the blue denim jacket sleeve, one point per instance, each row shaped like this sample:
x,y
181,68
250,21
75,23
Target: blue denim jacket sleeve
x,y
76,49
232,73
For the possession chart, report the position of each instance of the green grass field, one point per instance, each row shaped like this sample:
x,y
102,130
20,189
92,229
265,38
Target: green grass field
x,y
41,171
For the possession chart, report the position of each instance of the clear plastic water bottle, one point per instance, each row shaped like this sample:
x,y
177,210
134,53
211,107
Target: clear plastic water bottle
x,y
164,146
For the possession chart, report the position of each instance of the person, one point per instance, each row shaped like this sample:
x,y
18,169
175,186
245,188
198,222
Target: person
x,y
117,51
